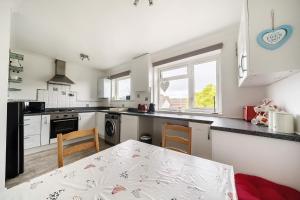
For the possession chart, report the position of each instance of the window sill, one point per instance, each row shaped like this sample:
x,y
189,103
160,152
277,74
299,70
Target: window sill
x,y
199,113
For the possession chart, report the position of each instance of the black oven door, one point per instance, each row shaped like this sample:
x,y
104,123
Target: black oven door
x,y
63,126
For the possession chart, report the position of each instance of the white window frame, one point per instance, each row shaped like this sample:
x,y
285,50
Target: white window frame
x,y
190,75
114,89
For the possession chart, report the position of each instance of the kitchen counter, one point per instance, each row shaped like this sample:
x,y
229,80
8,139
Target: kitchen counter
x,y
222,124
216,123
50,111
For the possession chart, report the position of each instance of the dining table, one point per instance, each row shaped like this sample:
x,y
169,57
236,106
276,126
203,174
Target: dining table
x,y
132,170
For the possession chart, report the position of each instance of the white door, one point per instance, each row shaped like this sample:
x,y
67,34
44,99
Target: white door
x,y
87,120
100,123
201,141
129,128
45,130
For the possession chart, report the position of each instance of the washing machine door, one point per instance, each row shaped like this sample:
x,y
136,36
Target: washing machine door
x,y
110,128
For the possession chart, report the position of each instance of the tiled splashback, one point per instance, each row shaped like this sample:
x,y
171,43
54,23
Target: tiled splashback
x,y
60,96
140,98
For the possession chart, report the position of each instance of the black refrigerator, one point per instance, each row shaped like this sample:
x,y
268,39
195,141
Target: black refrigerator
x,y
15,139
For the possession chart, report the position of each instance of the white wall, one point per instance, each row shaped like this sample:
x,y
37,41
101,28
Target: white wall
x,y
38,69
273,159
233,97
286,93
5,15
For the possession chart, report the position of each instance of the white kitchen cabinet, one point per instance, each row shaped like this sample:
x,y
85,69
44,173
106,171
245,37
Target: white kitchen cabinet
x,y
104,88
257,65
201,141
32,125
260,156
32,141
32,131
141,73
87,120
100,123
129,128
45,130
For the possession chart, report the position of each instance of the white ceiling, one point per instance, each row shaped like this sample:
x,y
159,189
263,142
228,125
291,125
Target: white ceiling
x,y
114,31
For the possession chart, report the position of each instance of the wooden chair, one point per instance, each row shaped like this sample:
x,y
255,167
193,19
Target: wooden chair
x,y
181,140
63,152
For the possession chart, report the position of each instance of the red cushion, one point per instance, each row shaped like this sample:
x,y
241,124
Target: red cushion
x,y
256,188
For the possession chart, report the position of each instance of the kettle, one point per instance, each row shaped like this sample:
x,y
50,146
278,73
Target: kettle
x,y
151,108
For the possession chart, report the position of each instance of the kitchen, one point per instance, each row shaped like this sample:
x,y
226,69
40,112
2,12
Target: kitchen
x,y
64,90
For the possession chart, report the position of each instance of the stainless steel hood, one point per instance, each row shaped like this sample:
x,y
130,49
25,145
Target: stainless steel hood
x,y
60,77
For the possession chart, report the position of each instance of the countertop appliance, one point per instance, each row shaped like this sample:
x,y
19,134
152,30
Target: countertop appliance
x,y
283,122
61,122
15,139
112,128
34,107
249,113
143,108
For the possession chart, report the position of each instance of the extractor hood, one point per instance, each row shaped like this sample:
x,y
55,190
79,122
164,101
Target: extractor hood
x,y
60,77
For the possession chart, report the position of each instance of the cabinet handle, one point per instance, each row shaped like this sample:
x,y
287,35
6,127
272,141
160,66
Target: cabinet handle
x,y
26,124
25,138
242,59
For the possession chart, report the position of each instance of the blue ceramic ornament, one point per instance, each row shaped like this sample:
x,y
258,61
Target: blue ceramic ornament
x,y
274,38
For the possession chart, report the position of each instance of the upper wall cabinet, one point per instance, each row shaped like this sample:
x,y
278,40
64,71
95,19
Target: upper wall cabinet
x,y
276,55
141,73
104,88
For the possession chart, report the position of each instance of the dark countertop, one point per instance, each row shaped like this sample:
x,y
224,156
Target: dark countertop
x,y
216,123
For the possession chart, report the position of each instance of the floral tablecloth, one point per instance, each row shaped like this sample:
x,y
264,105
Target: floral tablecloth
x,y
132,171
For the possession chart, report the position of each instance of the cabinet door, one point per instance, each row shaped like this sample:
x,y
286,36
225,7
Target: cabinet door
x,y
129,128
32,141
242,45
104,88
32,125
284,58
87,120
201,142
100,123
140,73
45,130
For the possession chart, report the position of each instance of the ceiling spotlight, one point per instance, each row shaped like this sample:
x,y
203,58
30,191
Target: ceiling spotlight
x,y
136,2
84,56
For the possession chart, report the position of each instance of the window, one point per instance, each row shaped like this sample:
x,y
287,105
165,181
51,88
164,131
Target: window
x,y
121,88
188,87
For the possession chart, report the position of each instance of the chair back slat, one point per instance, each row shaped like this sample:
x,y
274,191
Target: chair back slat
x,y
77,148
176,149
78,134
187,141
63,152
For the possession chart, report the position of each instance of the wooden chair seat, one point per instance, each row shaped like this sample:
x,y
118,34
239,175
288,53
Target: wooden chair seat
x,y
177,139
63,152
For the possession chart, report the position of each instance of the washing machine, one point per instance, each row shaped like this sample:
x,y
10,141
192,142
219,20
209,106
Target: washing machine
x,y
112,128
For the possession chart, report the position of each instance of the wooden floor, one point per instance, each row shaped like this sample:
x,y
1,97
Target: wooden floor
x,y
42,162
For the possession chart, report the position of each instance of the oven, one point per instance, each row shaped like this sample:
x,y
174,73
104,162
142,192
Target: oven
x,y
62,123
